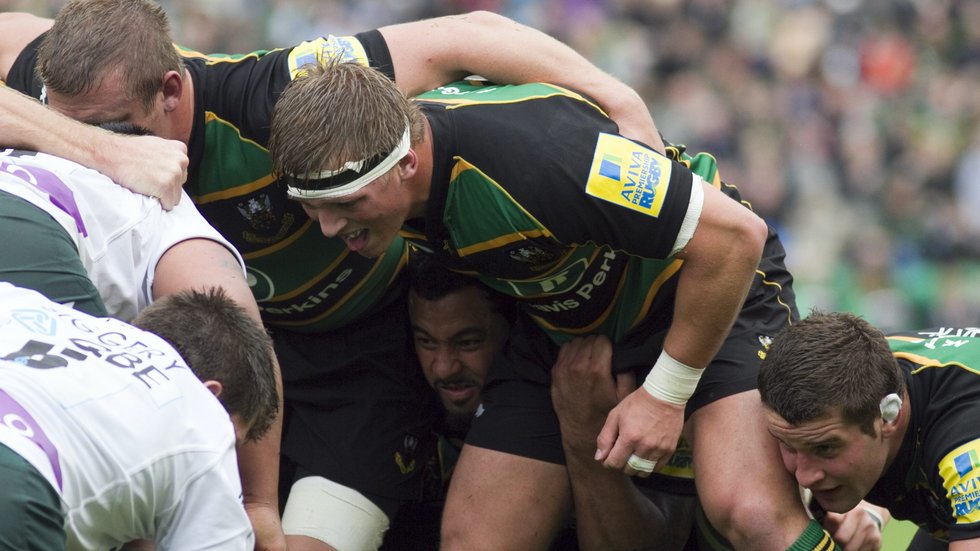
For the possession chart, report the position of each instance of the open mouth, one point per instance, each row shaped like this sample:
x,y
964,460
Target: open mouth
x,y
355,240
458,392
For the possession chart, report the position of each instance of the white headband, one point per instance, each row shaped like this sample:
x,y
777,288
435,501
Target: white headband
x,y
385,165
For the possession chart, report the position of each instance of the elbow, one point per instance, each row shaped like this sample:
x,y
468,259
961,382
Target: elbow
x,y
484,18
482,21
753,233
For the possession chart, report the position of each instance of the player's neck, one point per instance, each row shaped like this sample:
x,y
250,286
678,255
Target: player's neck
x,y
896,439
184,114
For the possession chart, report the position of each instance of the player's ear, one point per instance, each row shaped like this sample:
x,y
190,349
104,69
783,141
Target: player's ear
x,y
214,386
173,87
408,165
891,409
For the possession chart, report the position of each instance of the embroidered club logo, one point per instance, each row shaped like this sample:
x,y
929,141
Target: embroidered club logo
x,y
258,212
405,459
531,254
765,341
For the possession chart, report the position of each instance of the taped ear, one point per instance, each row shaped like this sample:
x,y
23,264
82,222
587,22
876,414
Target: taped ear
x,y
890,406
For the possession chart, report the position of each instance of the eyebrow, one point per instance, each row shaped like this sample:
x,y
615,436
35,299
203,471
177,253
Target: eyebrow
x,y
465,332
469,332
832,441
810,443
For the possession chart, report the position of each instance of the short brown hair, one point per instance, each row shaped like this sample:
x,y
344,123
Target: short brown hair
x,y
220,342
337,112
826,363
91,39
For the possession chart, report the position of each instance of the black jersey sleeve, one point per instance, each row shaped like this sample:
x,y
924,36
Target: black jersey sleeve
x,y
22,75
377,51
564,162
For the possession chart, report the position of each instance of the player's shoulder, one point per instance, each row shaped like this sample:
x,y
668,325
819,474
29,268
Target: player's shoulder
x,y
17,30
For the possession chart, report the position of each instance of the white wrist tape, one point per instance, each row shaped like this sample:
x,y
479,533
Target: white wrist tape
x,y
875,517
672,381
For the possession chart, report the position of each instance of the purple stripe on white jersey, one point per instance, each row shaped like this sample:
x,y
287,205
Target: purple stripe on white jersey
x,y
59,194
15,417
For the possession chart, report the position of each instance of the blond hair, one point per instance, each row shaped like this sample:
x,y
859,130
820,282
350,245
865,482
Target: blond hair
x,y
336,112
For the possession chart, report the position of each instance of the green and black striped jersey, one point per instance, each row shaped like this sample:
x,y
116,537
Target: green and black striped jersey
x,y
935,478
534,192
301,280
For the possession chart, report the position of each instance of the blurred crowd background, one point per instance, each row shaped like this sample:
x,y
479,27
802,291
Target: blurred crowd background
x,y
851,125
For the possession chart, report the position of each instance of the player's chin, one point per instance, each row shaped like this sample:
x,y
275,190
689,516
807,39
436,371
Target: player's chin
x,y
376,245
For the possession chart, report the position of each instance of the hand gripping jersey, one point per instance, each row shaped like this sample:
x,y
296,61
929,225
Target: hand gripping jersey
x,y
535,193
127,435
935,479
120,235
300,279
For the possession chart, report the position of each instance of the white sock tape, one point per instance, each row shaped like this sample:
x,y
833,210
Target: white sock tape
x,y
336,515
672,381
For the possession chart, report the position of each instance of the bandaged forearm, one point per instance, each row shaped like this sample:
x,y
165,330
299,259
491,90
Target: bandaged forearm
x,y
672,381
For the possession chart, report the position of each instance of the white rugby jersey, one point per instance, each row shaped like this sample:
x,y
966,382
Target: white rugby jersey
x,y
120,235
133,442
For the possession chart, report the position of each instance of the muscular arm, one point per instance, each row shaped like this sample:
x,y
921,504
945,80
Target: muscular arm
x,y
610,512
432,52
719,263
145,164
965,545
199,263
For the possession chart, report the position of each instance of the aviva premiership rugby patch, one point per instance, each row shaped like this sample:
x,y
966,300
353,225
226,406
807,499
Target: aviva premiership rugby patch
x,y
629,175
960,470
314,52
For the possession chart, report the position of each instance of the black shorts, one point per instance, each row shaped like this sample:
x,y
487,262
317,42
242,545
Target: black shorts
x,y
37,253
517,416
358,409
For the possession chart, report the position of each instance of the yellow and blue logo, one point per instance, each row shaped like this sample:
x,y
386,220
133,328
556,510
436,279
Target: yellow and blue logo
x,y
966,462
628,174
313,52
961,478
611,167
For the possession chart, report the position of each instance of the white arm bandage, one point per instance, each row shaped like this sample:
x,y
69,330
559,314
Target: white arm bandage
x,y
672,381
690,223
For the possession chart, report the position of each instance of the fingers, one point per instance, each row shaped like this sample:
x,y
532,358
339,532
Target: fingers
x,y
574,354
855,530
625,384
150,166
639,426
640,467
601,350
169,200
176,167
619,452
607,437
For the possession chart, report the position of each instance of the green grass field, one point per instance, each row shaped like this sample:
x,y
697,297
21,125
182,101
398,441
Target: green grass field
x,y
897,535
